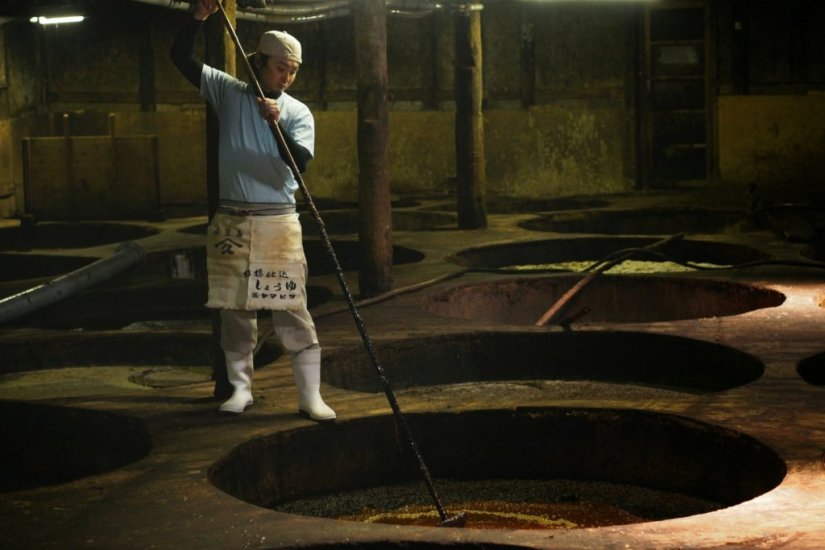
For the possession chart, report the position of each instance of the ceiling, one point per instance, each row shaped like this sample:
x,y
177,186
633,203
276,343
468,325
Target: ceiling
x,y
261,10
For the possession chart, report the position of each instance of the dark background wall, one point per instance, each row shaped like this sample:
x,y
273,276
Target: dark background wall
x,y
561,84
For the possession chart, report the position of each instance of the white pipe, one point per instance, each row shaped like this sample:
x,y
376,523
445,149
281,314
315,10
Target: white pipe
x,y
301,11
286,14
126,255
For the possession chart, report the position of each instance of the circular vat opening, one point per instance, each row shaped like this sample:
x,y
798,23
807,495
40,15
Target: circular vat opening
x,y
167,286
518,206
19,267
513,205
51,235
160,305
607,298
800,222
48,444
812,369
657,360
578,253
177,263
344,222
139,302
197,229
815,250
637,222
155,348
318,259
193,260
407,545
347,253
545,468
119,304
341,222
324,204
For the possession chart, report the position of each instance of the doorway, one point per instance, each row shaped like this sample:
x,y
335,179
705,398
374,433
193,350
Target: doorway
x,y
676,138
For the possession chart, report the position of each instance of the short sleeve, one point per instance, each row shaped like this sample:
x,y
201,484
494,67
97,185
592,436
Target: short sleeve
x,y
216,84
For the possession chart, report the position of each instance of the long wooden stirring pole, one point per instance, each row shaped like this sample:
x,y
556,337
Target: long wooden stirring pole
x,y
459,519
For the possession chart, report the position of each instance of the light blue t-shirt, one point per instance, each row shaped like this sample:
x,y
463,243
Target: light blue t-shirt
x,y
251,168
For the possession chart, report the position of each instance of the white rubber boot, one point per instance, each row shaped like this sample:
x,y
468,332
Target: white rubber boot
x,y
306,369
239,371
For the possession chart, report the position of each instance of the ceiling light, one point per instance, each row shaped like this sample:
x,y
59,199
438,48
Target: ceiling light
x,y
57,20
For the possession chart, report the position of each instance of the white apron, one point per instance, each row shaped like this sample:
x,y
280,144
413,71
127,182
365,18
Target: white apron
x,y
256,262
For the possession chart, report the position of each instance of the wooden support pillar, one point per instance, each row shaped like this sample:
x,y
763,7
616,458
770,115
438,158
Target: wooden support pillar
x,y
68,153
527,58
469,121
740,69
146,72
375,227
230,6
324,28
429,60
634,83
711,92
220,53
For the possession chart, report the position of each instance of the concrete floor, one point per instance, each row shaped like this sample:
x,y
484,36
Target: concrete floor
x,y
165,500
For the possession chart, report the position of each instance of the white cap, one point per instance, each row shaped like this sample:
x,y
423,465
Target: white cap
x,y
281,45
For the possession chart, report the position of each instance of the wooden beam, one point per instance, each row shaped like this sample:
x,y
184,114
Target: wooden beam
x,y
469,121
146,72
375,227
220,53
527,58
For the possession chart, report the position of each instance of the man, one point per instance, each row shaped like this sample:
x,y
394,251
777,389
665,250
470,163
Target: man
x,y
255,256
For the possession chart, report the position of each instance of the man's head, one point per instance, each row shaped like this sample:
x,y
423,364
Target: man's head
x,y
280,44
276,60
